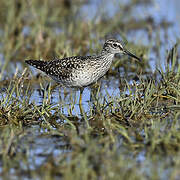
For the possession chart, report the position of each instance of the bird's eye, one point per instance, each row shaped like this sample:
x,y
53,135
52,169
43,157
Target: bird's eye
x,y
115,45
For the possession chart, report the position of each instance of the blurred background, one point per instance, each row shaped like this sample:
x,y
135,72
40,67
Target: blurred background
x,y
43,134
46,29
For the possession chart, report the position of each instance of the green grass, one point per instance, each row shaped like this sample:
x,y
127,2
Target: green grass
x,y
132,135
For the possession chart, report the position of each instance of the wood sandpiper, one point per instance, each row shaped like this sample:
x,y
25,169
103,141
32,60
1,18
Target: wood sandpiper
x,y
81,71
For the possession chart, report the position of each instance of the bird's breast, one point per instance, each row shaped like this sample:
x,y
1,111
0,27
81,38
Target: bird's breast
x,y
91,72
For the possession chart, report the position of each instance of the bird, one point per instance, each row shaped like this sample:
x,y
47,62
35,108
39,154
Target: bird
x,y
82,71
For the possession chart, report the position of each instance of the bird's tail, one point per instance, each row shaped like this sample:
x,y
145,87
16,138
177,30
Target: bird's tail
x,y
41,65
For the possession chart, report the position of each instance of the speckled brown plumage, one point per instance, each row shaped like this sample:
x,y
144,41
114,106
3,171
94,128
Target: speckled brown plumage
x,y
81,71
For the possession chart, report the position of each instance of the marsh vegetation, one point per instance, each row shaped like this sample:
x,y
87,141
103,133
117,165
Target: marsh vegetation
x,y
130,126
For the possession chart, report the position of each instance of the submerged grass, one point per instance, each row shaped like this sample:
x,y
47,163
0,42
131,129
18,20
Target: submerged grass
x,y
132,135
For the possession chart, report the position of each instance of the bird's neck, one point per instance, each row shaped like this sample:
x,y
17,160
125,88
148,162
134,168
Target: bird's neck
x,y
106,55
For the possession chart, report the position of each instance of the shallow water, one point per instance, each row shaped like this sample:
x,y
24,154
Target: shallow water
x,y
42,147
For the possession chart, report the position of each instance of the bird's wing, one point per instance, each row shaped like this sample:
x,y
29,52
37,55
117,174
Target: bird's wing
x,y
64,67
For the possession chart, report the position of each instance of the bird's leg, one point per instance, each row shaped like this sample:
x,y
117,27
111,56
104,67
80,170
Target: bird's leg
x,y
83,114
80,100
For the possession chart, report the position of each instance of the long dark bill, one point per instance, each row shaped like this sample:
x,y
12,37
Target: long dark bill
x,y
130,54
